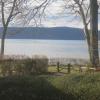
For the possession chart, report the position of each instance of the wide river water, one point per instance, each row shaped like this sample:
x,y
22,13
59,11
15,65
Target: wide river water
x,y
49,48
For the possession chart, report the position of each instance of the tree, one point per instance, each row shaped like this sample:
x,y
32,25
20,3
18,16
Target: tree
x,y
94,32
81,9
9,9
13,10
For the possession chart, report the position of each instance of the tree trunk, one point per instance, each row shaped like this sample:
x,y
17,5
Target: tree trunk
x,y
94,33
88,41
3,42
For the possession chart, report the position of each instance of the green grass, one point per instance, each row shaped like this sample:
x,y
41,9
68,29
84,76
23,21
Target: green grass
x,y
28,88
49,87
53,69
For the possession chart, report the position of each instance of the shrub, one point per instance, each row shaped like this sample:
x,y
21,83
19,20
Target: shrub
x,y
12,66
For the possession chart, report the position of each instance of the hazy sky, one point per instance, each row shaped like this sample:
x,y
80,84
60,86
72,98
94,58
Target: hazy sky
x,y
56,17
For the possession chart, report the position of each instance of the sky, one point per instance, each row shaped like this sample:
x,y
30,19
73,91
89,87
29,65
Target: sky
x,y
56,18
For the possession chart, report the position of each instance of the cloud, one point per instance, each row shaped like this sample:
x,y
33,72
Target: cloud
x,y
62,21
56,18
55,8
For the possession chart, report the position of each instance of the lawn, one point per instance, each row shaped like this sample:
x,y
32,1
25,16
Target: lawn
x,y
54,69
64,69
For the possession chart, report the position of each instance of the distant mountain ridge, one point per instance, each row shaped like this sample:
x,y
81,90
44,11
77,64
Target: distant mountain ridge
x,y
54,33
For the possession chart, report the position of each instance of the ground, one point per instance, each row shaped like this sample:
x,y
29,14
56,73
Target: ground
x,y
51,86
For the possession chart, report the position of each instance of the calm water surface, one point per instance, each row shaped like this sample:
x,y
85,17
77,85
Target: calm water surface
x,y
50,48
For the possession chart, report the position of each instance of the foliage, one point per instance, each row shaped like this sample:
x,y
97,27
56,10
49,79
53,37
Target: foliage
x,y
81,86
23,66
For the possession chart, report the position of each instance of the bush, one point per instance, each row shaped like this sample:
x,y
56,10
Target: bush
x,y
12,66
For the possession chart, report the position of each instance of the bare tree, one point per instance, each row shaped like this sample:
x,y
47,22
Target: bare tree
x,y
19,10
94,32
81,9
9,9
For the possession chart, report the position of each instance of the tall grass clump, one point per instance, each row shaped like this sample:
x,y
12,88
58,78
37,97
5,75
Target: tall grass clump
x,y
23,66
80,86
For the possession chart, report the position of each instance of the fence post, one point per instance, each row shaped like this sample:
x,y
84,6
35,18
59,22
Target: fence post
x,y
69,68
58,65
80,69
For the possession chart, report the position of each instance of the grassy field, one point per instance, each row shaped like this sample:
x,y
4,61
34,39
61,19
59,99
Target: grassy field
x,y
64,69
51,86
54,69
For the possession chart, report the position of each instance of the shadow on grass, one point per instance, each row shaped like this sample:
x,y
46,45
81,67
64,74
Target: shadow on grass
x,y
30,88
55,74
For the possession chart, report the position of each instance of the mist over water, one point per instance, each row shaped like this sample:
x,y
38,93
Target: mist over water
x,y
49,48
